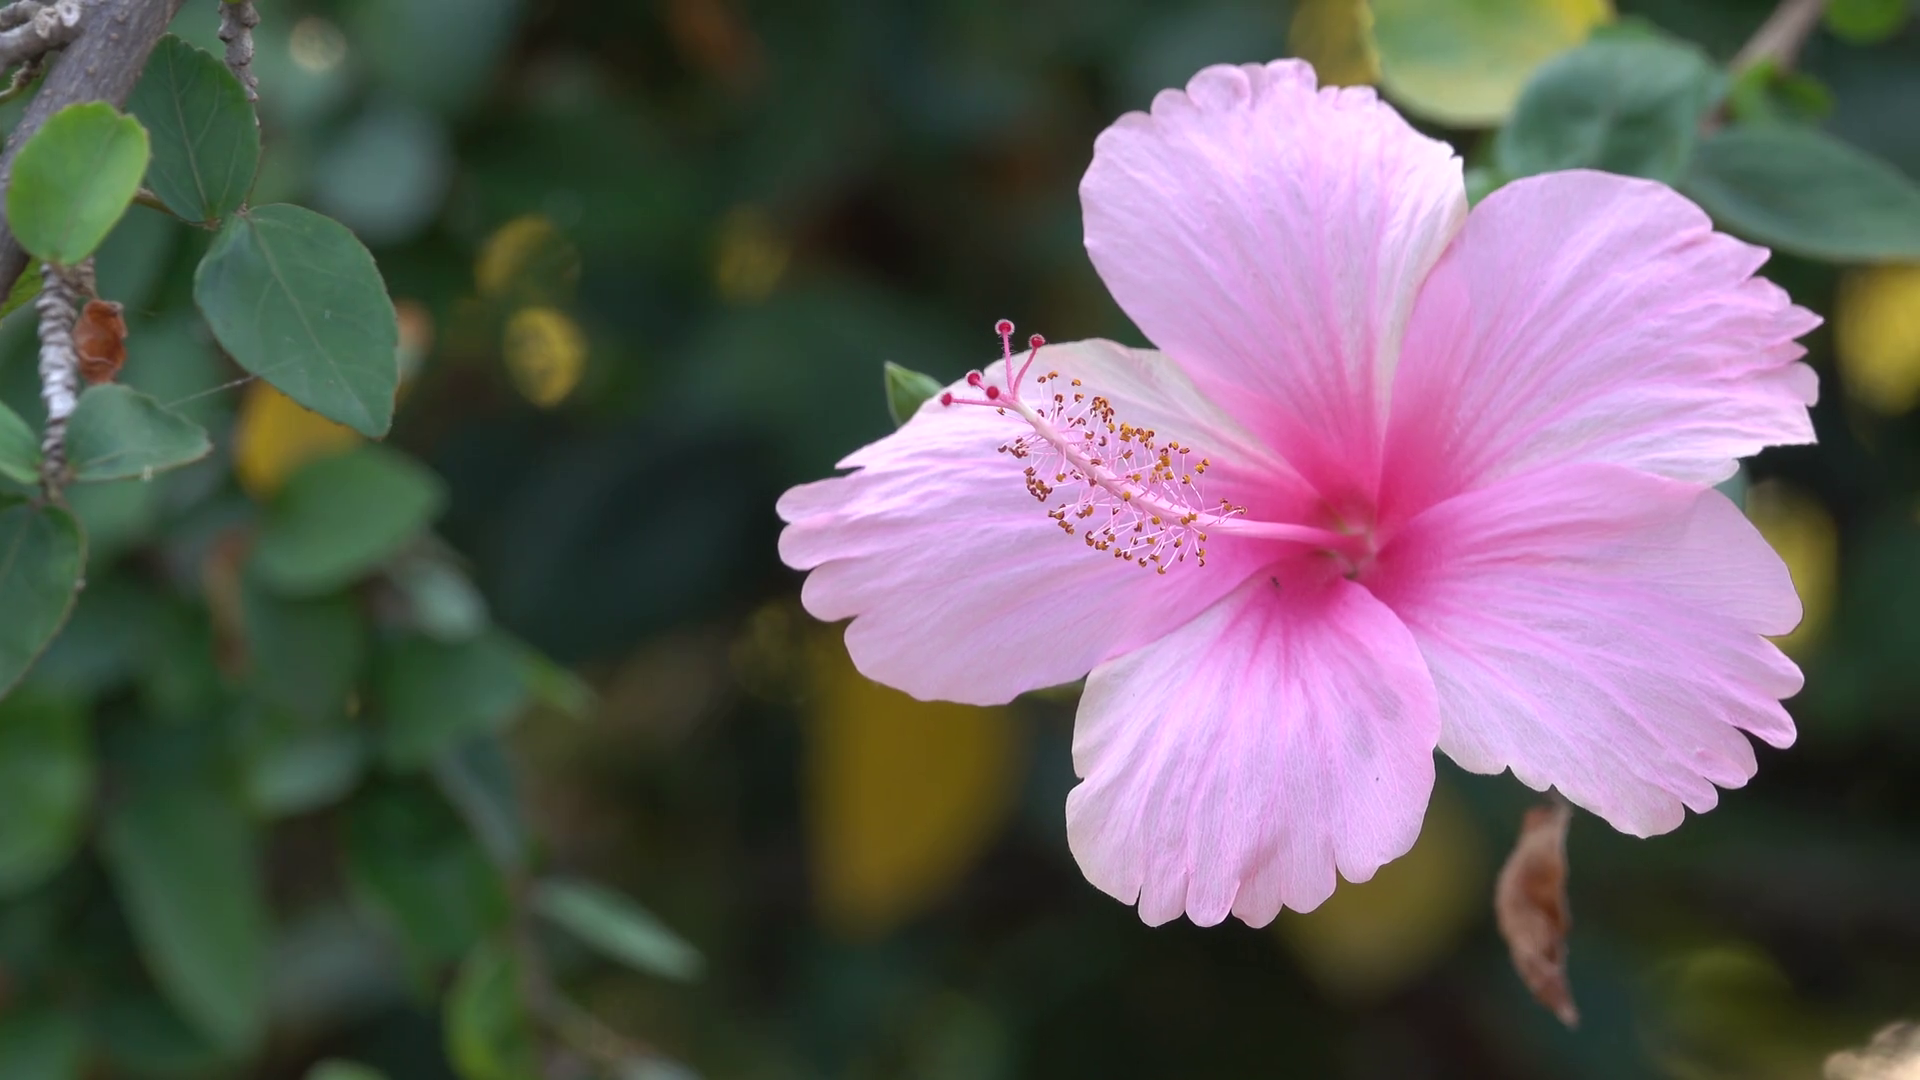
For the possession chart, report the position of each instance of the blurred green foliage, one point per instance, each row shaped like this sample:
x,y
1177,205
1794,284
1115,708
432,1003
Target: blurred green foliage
x,y
305,784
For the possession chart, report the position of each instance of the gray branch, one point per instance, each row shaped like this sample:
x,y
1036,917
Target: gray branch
x,y
33,30
102,64
237,20
59,307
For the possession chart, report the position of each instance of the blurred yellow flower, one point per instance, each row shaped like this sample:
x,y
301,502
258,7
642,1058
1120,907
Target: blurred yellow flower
x,y
1464,62
1876,335
1804,535
752,257
1336,37
528,260
1374,938
546,354
902,796
273,438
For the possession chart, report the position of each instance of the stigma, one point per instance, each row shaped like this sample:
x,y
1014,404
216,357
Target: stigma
x,y
1124,490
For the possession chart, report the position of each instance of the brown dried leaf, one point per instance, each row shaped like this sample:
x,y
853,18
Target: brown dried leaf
x,y
1894,1054
1530,904
100,340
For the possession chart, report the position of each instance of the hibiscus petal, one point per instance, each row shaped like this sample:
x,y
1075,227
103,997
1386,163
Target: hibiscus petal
x,y
1582,316
1598,629
960,586
1271,238
1235,764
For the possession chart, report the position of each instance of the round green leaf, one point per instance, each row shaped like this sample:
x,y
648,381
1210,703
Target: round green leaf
x,y
41,556
183,860
46,780
118,433
1866,22
489,1036
1629,105
617,927
19,449
410,858
36,1044
296,299
206,144
1798,190
74,179
1463,62
340,517
435,696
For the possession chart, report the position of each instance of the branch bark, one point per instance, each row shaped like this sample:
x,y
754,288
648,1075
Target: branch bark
x,y
45,28
58,307
1780,37
102,64
237,20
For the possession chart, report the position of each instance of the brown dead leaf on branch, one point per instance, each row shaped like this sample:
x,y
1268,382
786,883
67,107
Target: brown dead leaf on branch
x,y
1530,904
1894,1054
100,340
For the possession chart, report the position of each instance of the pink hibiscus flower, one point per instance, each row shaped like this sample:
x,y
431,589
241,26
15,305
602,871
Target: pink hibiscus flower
x,y
1456,473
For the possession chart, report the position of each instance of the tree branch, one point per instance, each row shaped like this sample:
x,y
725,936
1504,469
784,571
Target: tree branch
x,y
46,28
59,307
102,64
1780,37
237,20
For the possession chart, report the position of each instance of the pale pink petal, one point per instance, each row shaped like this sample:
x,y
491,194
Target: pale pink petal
x,y
1598,629
1271,238
1582,316
959,585
1235,764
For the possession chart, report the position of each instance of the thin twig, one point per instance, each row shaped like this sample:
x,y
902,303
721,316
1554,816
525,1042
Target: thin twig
x,y
19,13
237,20
1780,37
23,79
46,29
58,306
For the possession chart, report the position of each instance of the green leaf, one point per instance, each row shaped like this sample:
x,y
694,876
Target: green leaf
x,y
342,1070
1764,94
291,764
118,433
19,449
1798,190
41,556
489,1035
46,782
1866,22
906,390
435,696
183,860
305,655
38,1044
74,179
619,928
25,288
206,144
478,780
444,603
410,858
296,299
144,1037
339,518
1628,105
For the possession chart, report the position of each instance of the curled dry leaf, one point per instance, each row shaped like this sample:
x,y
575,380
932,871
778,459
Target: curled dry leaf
x,y
1530,903
100,340
1894,1054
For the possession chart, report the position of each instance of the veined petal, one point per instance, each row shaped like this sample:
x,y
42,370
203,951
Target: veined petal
x,y
1598,629
961,587
1234,765
1271,238
1582,316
